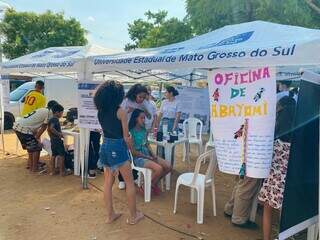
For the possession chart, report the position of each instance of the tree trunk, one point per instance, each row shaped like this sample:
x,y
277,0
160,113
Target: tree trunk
x,y
313,6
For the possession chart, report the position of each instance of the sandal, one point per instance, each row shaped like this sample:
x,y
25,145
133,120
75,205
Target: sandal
x,y
139,216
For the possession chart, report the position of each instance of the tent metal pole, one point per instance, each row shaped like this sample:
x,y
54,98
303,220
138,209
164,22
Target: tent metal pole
x,y
160,90
2,119
84,137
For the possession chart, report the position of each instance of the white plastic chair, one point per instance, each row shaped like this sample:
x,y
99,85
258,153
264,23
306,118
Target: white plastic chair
x,y
210,142
198,182
147,176
190,127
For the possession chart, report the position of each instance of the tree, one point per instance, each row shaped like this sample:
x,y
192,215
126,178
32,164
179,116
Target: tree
x,y
26,32
208,15
157,31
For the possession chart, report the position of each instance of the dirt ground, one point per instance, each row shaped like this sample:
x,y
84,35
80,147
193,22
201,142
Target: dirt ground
x,y
36,207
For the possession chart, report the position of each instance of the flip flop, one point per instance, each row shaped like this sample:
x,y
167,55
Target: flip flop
x,y
114,218
139,217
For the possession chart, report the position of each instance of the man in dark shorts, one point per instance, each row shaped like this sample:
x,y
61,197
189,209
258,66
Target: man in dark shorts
x,y
57,145
29,129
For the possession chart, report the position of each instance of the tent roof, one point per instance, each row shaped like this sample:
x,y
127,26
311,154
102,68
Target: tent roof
x,y
54,59
231,46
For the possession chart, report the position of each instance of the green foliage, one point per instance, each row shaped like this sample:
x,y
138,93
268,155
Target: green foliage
x,y
207,15
157,31
26,32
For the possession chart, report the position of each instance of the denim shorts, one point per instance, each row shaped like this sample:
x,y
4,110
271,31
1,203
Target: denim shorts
x,y
139,161
113,153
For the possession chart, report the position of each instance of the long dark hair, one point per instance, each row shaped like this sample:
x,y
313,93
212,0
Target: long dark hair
x,y
172,90
135,90
109,96
133,120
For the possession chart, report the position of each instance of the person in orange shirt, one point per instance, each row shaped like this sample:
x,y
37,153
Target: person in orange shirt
x,y
34,99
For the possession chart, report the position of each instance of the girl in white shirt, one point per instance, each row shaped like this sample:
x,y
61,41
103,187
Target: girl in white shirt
x,y
170,111
135,99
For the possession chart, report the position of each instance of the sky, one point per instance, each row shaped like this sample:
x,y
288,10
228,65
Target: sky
x,y
106,20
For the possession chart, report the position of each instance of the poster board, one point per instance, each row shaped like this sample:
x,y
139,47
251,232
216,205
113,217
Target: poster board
x,y
1,110
87,112
243,108
2,107
194,103
5,83
302,180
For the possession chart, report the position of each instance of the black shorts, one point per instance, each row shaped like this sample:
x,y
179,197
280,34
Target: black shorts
x,y
29,142
57,147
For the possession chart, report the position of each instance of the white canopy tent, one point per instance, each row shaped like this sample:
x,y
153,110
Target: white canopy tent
x,y
248,44
71,62
65,61
251,44
54,60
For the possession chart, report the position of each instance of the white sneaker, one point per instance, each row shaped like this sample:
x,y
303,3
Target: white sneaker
x,y
122,185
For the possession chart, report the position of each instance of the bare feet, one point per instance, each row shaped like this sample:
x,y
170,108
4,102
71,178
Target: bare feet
x,y
140,191
114,217
134,220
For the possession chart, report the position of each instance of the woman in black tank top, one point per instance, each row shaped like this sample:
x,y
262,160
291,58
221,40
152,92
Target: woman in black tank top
x,y
113,154
110,124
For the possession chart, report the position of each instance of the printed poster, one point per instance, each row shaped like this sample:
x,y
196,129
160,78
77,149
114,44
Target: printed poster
x,y
1,110
194,103
5,94
243,110
87,112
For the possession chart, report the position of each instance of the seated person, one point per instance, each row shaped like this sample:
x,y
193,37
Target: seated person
x,y
142,154
29,129
57,145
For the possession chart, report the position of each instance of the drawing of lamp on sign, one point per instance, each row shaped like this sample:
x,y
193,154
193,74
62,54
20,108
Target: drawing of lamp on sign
x,y
243,133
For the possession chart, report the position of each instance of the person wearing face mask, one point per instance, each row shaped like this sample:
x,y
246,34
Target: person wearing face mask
x,y
134,99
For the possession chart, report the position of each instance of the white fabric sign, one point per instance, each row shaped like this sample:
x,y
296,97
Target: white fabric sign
x,y
243,109
5,94
1,110
87,112
193,102
4,100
